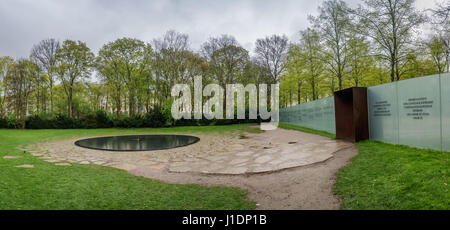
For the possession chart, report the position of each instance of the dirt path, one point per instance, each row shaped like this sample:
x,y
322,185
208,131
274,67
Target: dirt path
x,y
306,187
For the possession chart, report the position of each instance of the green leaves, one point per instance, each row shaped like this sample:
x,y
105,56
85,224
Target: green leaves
x,y
74,61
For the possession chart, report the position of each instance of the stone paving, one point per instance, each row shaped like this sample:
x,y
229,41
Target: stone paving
x,y
213,154
24,166
12,157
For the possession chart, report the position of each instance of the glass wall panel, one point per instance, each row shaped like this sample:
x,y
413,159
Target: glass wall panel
x,y
445,106
318,114
383,112
419,112
414,112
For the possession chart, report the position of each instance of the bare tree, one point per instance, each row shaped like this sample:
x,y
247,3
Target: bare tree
x,y
391,25
167,66
216,43
43,54
228,64
271,53
441,23
442,13
172,40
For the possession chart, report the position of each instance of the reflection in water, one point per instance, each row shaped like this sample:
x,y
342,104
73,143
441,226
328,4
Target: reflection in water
x,y
137,142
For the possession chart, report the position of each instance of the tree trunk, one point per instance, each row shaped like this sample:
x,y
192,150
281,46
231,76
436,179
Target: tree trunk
x,y
131,103
70,109
313,87
51,98
392,69
290,97
38,99
119,107
397,73
118,113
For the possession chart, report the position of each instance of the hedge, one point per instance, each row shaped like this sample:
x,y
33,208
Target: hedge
x,y
101,119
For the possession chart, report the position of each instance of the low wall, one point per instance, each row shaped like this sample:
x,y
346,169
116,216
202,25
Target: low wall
x,y
318,114
414,112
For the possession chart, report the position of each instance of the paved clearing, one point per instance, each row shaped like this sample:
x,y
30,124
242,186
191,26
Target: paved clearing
x,y
281,169
214,153
306,187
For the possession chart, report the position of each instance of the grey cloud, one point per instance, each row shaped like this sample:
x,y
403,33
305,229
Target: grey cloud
x,y
26,22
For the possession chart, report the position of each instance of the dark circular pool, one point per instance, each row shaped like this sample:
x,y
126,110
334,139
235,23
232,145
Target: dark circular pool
x,y
137,142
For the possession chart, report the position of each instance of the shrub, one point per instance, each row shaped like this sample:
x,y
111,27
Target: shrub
x,y
154,118
167,113
12,122
88,122
37,122
3,123
64,122
103,120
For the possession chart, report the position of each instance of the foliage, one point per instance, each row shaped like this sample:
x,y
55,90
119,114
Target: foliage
x,y
155,118
374,43
9,122
343,47
334,25
391,24
37,122
74,61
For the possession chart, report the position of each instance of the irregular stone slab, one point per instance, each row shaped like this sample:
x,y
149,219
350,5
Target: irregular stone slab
x,y
146,162
24,166
63,164
157,166
51,161
232,171
283,152
12,157
125,166
99,162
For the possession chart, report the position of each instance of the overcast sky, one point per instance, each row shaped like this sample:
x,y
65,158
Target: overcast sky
x,y
26,22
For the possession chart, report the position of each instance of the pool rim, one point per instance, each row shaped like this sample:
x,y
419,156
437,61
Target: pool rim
x,y
197,139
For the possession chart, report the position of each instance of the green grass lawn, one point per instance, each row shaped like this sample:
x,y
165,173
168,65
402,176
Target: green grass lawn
x,y
95,187
386,176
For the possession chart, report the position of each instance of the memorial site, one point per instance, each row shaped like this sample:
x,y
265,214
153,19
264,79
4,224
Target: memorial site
x,y
224,105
